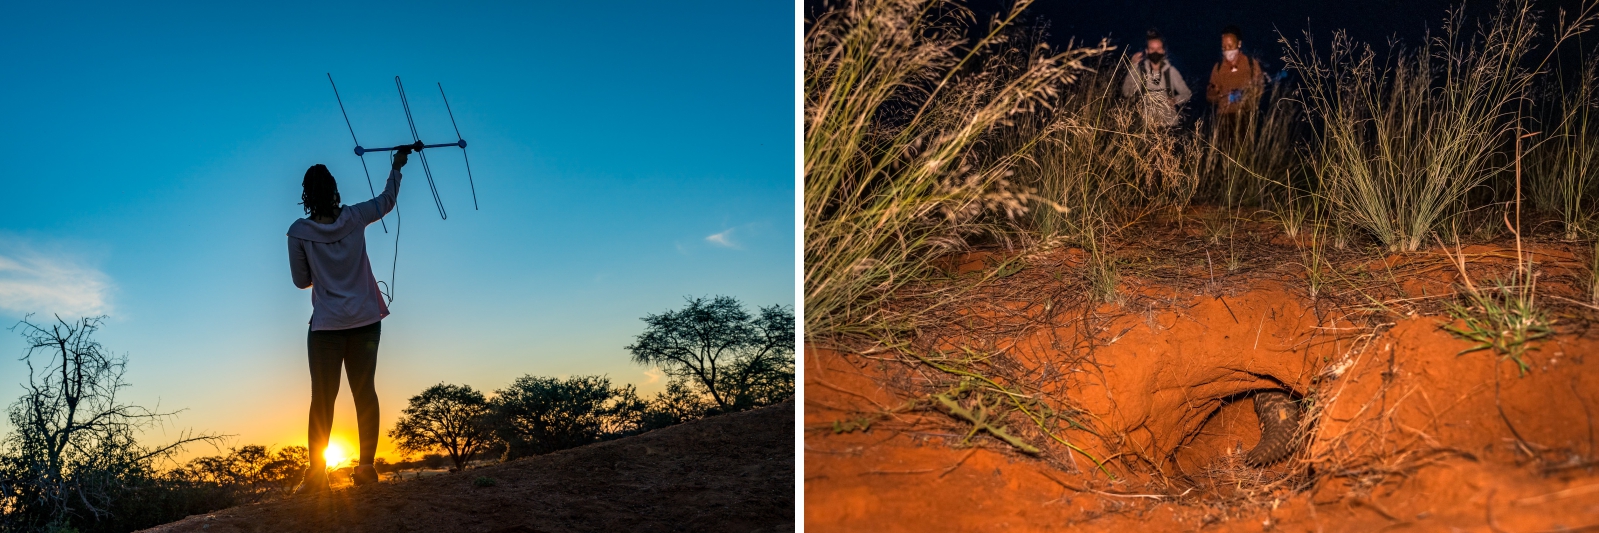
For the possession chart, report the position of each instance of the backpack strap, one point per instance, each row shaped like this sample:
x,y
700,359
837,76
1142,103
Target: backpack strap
x,y
1145,72
1138,72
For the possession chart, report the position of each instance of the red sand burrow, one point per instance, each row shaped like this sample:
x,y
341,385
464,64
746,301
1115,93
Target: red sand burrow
x,y
1163,374
1163,379
1176,384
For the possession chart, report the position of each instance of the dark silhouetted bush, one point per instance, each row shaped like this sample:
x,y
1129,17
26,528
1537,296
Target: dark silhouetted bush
x,y
539,415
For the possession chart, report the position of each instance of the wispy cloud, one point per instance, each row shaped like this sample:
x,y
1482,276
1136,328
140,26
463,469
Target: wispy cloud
x,y
723,239
654,375
51,283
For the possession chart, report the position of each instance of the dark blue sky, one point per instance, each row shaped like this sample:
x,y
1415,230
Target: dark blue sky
x,y
1192,30
626,155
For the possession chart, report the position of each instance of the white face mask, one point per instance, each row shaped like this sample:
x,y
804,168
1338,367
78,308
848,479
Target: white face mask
x,y
1230,54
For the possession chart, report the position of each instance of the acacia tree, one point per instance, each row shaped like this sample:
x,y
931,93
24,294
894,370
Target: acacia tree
x,y
453,418
74,450
738,360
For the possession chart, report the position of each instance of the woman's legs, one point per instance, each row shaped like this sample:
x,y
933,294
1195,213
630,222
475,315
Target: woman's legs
x,y
361,361
325,352
355,350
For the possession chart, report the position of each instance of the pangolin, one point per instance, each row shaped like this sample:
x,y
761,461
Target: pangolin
x,y
1279,428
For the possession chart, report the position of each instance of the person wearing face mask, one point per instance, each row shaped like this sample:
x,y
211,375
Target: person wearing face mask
x,y
1157,84
1236,81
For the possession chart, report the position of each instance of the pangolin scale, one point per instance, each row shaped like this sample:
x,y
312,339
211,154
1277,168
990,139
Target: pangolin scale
x,y
1279,428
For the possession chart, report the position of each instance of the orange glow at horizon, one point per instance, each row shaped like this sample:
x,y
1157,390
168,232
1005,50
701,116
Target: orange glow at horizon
x,y
283,423
335,454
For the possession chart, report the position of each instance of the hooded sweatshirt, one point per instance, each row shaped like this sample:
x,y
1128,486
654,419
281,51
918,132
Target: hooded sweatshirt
x,y
331,260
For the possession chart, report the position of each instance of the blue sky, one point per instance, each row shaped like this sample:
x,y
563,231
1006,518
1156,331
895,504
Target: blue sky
x,y
626,155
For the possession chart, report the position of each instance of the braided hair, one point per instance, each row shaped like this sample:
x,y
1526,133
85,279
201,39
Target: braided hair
x,y
321,194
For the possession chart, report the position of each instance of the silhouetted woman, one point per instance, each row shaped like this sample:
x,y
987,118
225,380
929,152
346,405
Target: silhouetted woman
x,y
327,253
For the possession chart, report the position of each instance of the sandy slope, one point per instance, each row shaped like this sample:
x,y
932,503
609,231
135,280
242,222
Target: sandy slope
x,y
726,473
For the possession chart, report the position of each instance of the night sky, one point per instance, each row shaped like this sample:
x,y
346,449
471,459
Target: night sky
x,y
1192,30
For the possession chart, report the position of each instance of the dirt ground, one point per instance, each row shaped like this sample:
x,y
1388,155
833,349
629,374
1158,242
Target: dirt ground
x,y
726,473
1407,434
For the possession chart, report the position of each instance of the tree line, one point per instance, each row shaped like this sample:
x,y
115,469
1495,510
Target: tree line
x,y
720,359
74,462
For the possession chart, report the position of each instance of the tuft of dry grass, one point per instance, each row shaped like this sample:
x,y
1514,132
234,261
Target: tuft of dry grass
x,y
893,120
1251,159
1102,166
1564,167
1593,273
1007,399
1505,318
1403,138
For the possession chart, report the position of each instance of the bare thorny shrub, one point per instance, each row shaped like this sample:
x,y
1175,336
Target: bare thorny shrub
x,y
75,458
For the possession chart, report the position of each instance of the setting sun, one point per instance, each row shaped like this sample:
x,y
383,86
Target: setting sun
x,y
335,455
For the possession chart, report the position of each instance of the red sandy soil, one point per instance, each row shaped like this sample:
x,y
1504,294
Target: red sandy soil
x,y
725,473
1414,436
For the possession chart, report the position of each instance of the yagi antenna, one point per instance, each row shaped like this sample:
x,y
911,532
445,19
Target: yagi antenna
x,y
416,145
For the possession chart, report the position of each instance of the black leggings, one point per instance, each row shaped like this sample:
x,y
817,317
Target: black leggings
x,y
356,350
